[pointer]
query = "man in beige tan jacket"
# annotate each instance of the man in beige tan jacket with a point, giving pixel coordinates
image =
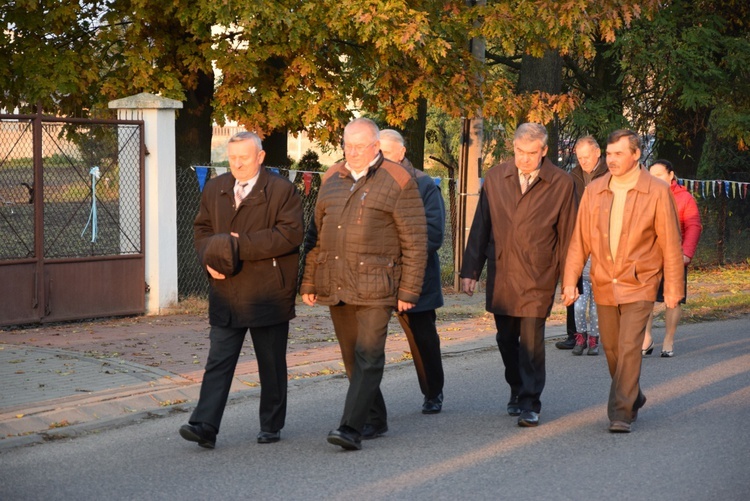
(627, 222)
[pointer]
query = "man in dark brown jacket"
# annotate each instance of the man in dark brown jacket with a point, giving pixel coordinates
(522, 227)
(247, 234)
(369, 258)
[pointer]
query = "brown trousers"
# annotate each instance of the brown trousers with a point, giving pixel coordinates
(621, 330)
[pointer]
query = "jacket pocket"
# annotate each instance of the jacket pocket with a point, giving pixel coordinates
(322, 275)
(375, 277)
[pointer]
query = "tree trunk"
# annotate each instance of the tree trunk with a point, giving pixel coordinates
(545, 75)
(194, 126)
(275, 146)
(414, 135)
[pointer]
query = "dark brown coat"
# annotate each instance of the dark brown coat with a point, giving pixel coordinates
(270, 228)
(523, 238)
(371, 247)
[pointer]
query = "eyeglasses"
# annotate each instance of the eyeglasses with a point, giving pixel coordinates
(358, 149)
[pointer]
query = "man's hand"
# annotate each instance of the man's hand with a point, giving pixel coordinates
(215, 274)
(403, 306)
(310, 299)
(671, 301)
(569, 295)
(468, 285)
(686, 260)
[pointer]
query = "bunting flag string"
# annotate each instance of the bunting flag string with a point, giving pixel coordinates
(709, 188)
(697, 187)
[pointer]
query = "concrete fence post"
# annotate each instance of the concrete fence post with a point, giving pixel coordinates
(158, 115)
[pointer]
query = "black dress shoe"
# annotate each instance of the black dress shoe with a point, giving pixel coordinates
(432, 405)
(567, 344)
(204, 436)
(269, 437)
(346, 437)
(370, 431)
(528, 419)
(513, 408)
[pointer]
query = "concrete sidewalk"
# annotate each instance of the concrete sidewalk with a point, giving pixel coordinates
(62, 381)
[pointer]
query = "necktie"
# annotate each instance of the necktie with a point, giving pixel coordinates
(525, 182)
(239, 194)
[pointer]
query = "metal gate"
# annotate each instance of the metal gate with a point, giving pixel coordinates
(71, 218)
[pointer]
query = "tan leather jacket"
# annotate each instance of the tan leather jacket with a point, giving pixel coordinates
(649, 243)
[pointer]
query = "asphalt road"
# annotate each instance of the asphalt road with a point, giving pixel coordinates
(691, 441)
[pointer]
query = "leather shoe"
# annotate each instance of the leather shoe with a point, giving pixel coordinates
(528, 419)
(431, 405)
(369, 431)
(345, 437)
(269, 437)
(619, 427)
(636, 406)
(566, 344)
(513, 407)
(199, 433)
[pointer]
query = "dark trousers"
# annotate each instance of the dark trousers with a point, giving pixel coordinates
(570, 313)
(361, 331)
(621, 330)
(270, 352)
(521, 343)
(424, 343)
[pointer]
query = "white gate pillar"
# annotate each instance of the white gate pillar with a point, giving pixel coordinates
(158, 115)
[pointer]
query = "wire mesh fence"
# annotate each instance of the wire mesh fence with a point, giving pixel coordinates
(725, 239)
(90, 189)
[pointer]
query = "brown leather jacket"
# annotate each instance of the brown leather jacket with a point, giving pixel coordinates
(371, 247)
(649, 244)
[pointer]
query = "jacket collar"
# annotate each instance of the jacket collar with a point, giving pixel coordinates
(228, 181)
(547, 170)
(643, 184)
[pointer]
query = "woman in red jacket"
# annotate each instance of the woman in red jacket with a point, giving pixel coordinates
(690, 228)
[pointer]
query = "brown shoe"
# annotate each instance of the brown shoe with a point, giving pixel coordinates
(619, 427)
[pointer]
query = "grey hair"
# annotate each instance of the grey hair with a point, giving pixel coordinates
(392, 135)
(531, 131)
(365, 121)
(587, 140)
(247, 136)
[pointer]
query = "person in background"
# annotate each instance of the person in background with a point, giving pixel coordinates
(522, 226)
(690, 228)
(590, 166)
(419, 322)
(627, 223)
(247, 234)
(368, 257)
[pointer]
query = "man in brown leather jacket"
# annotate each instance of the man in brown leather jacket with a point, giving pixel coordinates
(369, 258)
(627, 222)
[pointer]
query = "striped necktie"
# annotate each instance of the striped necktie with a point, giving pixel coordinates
(239, 194)
(525, 182)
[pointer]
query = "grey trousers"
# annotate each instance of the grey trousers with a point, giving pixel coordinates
(361, 332)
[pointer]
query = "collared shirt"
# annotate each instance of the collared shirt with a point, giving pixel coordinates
(532, 175)
(363, 172)
(248, 184)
